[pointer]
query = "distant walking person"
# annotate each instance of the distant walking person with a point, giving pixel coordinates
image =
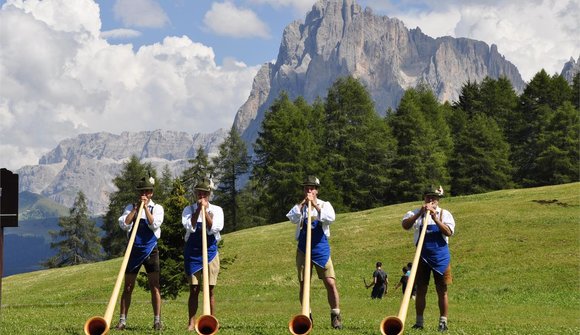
(408, 274)
(435, 255)
(192, 222)
(380, 282)
(404, 279)
(144, 251)
(322, 216)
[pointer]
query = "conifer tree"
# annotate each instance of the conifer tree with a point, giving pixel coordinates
(540, 100)
(423, 145)
(200, 168)
(481, 158)
(358, 146)
(171, 244)
(231, 163)
(115, 239)
(286, 151)
(78, 240)
(558, 161)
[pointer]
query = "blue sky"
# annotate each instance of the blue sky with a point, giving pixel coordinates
(84, 66)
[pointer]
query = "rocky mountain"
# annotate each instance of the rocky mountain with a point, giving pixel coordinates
(89, 162)
(571, 68)
(339, 38)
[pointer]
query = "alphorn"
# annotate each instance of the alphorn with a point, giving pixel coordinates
(394, 325)
(100, 325)
(206, 324)
(301, 324)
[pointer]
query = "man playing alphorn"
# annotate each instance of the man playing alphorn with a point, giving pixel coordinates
(192, 220)
(435, 256)
(144, 251)
(322, 216)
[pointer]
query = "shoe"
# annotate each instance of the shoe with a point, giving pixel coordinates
(417, 326)
(335, 321)
(120, 326)
(442, 327)
(157, 326)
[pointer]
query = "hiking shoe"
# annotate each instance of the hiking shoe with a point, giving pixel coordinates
(335, 321)
(417, 326)
(120, 326)
(157, 326)
(442, 327)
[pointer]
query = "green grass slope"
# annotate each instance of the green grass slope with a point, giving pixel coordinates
(515, 259)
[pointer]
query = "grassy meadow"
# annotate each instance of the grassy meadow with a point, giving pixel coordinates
(515, 261)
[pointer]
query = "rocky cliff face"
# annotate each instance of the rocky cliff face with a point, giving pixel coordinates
(90, 162)
(339, 38)
(571, 68)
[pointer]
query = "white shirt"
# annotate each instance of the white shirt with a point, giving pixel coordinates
(326, 217)
(446, 219)
(217, 223)
(157, 212)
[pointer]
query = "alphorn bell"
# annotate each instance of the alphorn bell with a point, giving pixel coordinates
(100, 325)
(301, 324)
(394, 325)
(206, 324)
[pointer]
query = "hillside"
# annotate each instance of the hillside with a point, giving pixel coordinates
(515, 264)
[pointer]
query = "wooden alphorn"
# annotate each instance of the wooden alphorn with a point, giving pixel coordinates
(394, 325)
(301, 324)
(100, 325)
(206, 324)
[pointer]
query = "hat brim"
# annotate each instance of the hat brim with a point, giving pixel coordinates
(433, 195)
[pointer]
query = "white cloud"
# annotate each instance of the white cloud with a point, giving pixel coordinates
(64, 82)
(120, 34)
(300, 6)
(228, 20)
(140, 13)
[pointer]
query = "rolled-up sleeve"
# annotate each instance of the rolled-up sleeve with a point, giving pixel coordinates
(217, 220)
(126, 211)
(294, 214)
(186, 219)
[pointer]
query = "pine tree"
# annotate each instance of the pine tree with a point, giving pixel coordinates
(232, 162)
(423, 144)
(481, 159)
(286, 151)
(540, 100)
(558, 161)
(200, 168)
(77, 240)
(171, 244)
(115, 239)
(358, 146)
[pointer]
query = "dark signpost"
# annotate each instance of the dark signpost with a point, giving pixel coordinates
(8, 211)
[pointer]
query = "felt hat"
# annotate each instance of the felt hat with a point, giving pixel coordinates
(145, 184)
(311, 181)
(434, 191)
(203, 185)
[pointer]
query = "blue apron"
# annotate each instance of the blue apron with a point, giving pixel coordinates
(435, 249)
(145, 242)
(320, 246)
(192, 254)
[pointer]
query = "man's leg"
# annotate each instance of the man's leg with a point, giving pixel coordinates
(155, 298)
(331, 292)
(126, 299)
(211, 300)
(192, 305)
(333, 302)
